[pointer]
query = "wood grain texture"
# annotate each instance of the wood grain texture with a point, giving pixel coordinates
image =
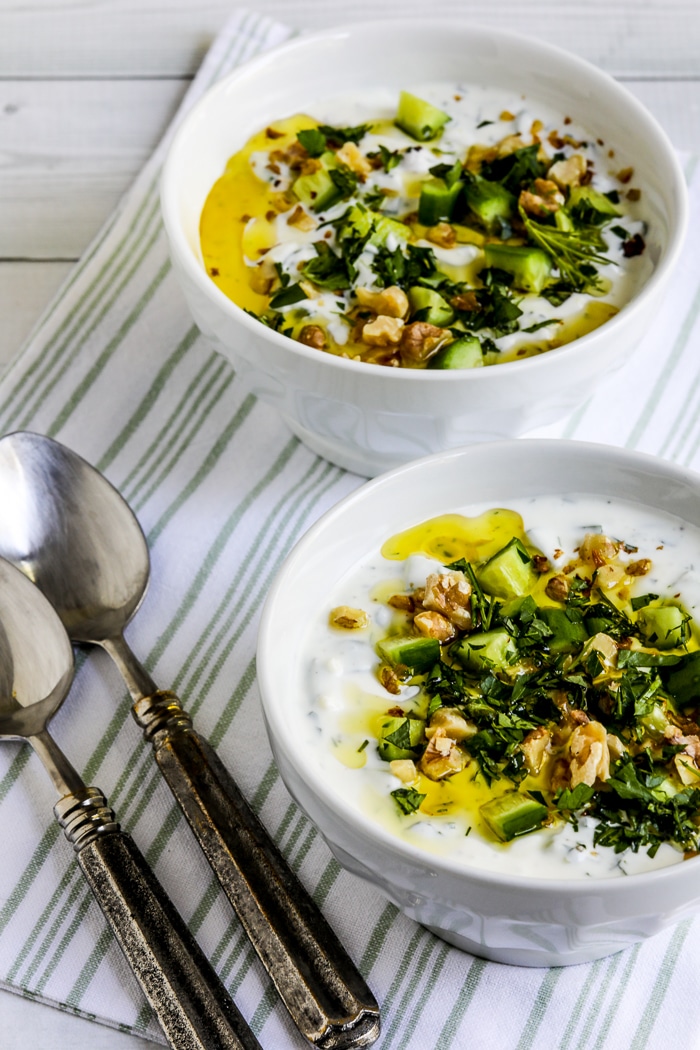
(170, 37)
(70, 149)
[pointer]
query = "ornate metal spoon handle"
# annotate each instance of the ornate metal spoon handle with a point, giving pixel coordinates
(193, 1007)
(319, 984)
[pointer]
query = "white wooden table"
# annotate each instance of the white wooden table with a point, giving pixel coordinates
(88, 87)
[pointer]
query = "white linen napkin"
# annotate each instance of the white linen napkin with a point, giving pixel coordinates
(117, 371)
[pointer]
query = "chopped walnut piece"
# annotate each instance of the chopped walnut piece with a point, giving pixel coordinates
(569, 172)
(442, 757)
(391, 681)
(465, 301)
(404, 769)
(443, 235)
(294, 155)
(313, 335)
(262, 276)
(590, 755)
(687, 769)
(281, 202)
(536, 746)
(419, 340)
(608, 576)
(545, 200)
(351, 155)
(449, 593)
(301, 220)
(638, 568)
(383, 331)
(402, 601)
(688, 760)
(616, 747)
(434, 625)
(273, 133)
(389, 302)
(478, 155)
(453, 722)
(509, 144)
(598, 549)
(540, 563)
(347, 618)
(557, 588)
(604, 645)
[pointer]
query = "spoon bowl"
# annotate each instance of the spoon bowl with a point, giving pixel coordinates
(73, 535)
(36, 659)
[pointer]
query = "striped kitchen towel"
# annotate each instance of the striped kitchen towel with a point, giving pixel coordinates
(117, 371)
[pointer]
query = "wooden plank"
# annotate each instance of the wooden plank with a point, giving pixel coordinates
(169, 37)
(70, 150)
(26, 289)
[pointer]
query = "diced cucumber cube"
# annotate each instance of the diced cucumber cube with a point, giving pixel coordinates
(590, 206)
(384, 226)
(487, 649)
(491, 203)
(415, 652)
(418, 118)
(399, 738)
(437, 201)
(663, 626)
(317, 191)
(431, 306)
(509, 573)
(465, 352)
(513, 814)
(531, 267)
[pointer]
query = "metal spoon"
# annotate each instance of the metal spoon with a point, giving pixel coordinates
(72, 533)
(36, 670)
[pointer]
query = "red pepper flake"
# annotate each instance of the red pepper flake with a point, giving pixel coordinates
(270, 215)
(625, 175)
(634, 195)
(567, 120)
(272, 133)
(634, 246)
(246, 218)
(213, 271)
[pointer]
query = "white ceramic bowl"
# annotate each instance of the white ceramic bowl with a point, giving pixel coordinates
(508, 918)
(365, 417)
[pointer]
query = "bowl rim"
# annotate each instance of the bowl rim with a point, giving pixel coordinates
(648, 124)
(362, 824)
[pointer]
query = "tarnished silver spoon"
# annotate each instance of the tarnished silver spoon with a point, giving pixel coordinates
(71, 532)
(36, 670)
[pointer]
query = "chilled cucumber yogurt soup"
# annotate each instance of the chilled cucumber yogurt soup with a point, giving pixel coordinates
(455, 226)
(533, 708)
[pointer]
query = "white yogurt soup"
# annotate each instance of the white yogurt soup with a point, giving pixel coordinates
(531, 710)
(456, 226)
